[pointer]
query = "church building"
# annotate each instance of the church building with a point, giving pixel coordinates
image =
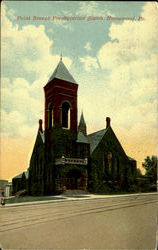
(66, 157)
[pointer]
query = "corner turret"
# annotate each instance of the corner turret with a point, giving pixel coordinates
(82, 125)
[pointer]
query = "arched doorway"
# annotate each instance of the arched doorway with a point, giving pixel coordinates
(75, 179)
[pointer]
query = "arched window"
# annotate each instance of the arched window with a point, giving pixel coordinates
(66, 115)
(50, 115)
(118, 168)
(110, 161)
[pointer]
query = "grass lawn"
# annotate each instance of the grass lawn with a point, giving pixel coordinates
(32, 198)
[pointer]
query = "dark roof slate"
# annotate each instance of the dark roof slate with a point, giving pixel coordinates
(95, 138)
(61, 72)
(26, 173)
(131, 159)
(18, 176)
(42, 136)
(82, 138)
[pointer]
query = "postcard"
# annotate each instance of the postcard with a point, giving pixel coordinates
(78, 124)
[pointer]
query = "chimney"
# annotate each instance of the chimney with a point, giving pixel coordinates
(40, 126)
(107, 122)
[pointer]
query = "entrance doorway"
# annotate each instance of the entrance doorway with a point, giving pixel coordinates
(74, 179)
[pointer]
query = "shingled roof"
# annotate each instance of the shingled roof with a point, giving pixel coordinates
(18, 176)
(82, 138)
(61, 72)
(26, 173)
(95, 138)
(42, 136)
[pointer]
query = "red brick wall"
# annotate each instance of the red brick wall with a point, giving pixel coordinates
(56, 92)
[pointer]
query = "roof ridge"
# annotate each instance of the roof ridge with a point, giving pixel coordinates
(97, 131)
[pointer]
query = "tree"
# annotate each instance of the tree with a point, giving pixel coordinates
(150, 165)
(138, 173)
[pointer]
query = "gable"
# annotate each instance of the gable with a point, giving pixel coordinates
(105, 137)
(40, 139)
(95, 138)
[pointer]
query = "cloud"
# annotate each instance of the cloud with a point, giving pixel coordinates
(129, 93)
(88, 46)
(23, 51)
(92, 8)
(131, 58)
(89, 62)
(89, 8)
(30, 54)
(136, 41)
(19, 109)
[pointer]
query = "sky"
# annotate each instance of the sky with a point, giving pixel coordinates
(114, 61)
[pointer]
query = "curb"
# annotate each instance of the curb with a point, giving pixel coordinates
(67, 199)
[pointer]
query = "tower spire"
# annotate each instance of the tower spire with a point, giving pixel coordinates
(82, 125)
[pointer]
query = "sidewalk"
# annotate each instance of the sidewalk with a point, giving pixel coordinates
(67, 199)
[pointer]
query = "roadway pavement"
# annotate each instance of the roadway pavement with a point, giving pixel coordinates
(93, 222)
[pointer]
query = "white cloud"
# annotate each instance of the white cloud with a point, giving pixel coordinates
(20, 109)
(89, 62)
(88, 46)
(30, 45)
(137, 41)
(24, 51)
(27, 50)
(11, 122)
(87, 8)
(92, 8)
(132, 62)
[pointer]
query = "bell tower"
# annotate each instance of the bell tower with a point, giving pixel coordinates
(61, 99)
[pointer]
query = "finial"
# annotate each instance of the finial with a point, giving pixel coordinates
(40, 126)
(108, 122)
(61, 57)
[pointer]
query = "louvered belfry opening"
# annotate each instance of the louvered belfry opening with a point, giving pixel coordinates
(66, 115)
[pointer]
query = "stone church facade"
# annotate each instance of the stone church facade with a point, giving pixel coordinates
(64, 156)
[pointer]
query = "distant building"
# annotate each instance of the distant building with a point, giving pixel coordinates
(64, 156)
(5, 188)
(20, 182)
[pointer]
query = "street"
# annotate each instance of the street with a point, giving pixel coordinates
(123, 222)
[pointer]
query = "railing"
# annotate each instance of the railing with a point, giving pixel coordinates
(76, 161)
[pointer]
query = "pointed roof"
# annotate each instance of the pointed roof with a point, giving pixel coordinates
(26, 173)
(82, 138)
(95, 138)
(61, 72)
(18, 176)
(82, 120)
